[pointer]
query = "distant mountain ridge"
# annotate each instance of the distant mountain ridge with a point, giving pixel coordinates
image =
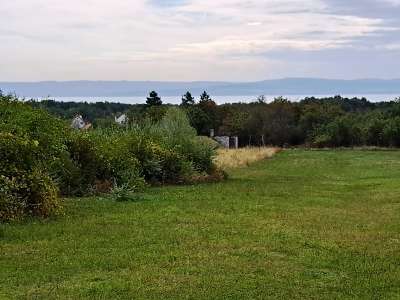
(286, 86)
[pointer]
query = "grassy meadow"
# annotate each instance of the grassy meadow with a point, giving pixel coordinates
(301, 225)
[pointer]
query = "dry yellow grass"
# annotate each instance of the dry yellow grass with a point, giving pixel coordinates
(234, 158)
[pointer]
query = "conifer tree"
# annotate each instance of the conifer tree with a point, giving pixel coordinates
(187, 99)
(153, 99)
(204, 97)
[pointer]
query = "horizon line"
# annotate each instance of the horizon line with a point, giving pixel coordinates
(202, 81)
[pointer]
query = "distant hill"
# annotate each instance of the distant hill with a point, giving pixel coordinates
(287, 86)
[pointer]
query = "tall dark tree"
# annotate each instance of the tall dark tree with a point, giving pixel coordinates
(199, 119)
(187, 99)
(281, 127)
(206, 103)
(153, 99)
(210, 109)
(204, 97)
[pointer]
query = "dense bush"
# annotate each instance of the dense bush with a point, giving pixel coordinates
(168, 151)
(42, 157)
(118, 164)
(25, 188)
(22, 120)
(175, 133)
(78, 168)
(163, 152)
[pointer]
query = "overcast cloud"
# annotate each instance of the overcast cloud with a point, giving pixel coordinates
(198, 39)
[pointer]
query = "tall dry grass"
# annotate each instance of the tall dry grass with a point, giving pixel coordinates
(234, 158)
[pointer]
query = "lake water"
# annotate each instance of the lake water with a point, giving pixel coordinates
(218, 99)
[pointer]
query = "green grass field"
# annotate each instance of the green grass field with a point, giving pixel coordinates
(302, 225)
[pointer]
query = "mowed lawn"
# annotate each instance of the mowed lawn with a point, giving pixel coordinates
(302, 225)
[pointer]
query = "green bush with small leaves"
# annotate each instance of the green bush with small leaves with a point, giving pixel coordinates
(42, 158)
(25, 187)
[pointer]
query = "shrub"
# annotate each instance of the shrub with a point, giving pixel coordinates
(20, 119)
(77, 169)
(96, 162)
(118, 163)
(175, 132)
(140, 155)
(40, 156)
(170, 151)
(174, 168)
(25, 189)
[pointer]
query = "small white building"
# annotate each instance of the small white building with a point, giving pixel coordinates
(79, 123)
(121, 120)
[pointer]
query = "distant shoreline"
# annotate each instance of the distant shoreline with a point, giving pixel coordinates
(289, 87)
(219, 99)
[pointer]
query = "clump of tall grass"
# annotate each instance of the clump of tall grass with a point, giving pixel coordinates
(235, 158)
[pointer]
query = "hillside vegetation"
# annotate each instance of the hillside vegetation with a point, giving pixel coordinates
(41, 158)
(325, 122)
(301, 225)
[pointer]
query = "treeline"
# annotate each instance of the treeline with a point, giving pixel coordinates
(315, 122)
(327, 122)
(90, 111)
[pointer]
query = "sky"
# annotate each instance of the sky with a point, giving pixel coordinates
(190, 40)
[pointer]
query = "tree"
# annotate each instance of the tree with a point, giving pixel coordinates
(153, 99)
(233, 121)
(210, 110)
(280, 127)
(187, 99)
(261, 99)
(314, 115)
(198, 119)
(204, 97)
(206, 103)
(391, 132)
(258, 119)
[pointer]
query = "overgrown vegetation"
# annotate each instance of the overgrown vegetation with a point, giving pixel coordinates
(42, 157)
(327, 122)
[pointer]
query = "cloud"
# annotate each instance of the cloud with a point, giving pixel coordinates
(393, 2)
(389, 47)
(121, 39)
